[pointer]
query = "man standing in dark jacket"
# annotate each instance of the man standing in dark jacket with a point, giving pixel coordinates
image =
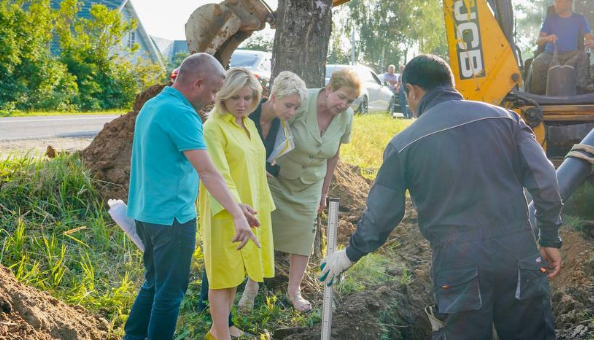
(465, 165)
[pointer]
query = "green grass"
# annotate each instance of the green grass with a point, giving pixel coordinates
(62, 113)
(580, 203)
(369, 137)
(58, 237)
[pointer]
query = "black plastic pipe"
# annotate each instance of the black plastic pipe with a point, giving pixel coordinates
(571, 174)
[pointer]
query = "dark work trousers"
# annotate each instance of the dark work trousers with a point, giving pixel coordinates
(167, 256)
(537, 77)
(405, 110)
(496, 278)
(204, 297)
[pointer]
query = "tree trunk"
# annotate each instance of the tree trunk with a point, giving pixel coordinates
(301, 40)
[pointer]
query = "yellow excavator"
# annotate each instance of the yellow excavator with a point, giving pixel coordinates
(488, 68)
(487, 65)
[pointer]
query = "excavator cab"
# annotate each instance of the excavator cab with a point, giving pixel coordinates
(492, 72)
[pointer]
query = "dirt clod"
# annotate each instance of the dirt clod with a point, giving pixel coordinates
(28, 314)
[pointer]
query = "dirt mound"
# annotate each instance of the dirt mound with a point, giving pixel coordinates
(391, 311)
(573, 289)
(28, 314)
(351, 189)
(395, 310)
(108, 156)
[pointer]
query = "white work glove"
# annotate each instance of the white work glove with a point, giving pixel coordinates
(332, 266)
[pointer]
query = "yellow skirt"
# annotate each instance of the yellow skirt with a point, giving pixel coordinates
(226, 267)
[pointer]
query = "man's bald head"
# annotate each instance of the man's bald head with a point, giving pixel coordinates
(200, 77)
(199, 65)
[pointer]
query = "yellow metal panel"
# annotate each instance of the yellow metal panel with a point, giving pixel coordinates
(482, 61)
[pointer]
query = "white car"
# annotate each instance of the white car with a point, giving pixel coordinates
(256, 61)
(375, 95)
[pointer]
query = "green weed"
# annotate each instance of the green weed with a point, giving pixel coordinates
(58, 237)
(369, 137)
(580, 203)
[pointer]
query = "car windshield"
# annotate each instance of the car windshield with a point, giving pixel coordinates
(243, 59)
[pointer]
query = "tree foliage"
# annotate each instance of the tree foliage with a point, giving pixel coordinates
(90, 72)
(29, 76)
(386, 30)
(259, 41)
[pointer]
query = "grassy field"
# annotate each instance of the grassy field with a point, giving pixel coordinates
(57, 236)
(369, 137)
(63, 113)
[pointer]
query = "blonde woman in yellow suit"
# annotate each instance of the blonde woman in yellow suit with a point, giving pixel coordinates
(320, 126)
(238, 153)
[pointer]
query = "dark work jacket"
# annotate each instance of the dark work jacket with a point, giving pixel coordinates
(465, 165)
(270, 138)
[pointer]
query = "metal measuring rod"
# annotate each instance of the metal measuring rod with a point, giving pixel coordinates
(333, 204)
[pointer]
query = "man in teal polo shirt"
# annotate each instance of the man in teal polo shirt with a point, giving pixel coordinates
(168, 154)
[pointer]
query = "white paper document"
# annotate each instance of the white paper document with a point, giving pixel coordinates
(118, 211)
(283, 142)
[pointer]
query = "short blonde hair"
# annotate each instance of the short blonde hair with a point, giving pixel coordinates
(237, 78)
(287, 84)
(346, 77)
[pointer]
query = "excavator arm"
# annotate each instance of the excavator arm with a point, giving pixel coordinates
(218, 29)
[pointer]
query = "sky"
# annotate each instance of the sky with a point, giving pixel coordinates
(167, 19)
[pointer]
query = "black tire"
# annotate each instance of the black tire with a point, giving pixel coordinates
(363, 108)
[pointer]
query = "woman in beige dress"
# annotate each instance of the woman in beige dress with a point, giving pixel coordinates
(320, 126)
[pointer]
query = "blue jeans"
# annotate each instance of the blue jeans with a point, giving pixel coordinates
(405, 110)
(167, 256)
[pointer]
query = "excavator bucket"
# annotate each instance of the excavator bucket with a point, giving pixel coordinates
(218, 29)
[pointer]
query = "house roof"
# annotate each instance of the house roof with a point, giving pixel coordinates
(179, 46)
(170, 48)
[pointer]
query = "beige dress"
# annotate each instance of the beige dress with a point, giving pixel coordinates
(298, 188)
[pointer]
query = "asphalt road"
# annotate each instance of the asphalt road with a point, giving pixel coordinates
(16, 128)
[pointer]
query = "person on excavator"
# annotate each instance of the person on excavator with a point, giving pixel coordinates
(564, 31)
(465, 165)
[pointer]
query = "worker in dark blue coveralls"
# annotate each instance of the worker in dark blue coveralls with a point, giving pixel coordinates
(465, 165)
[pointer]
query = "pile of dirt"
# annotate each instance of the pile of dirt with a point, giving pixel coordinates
(29, 314)
(573, 288)
(393, 310)
(351, 189)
